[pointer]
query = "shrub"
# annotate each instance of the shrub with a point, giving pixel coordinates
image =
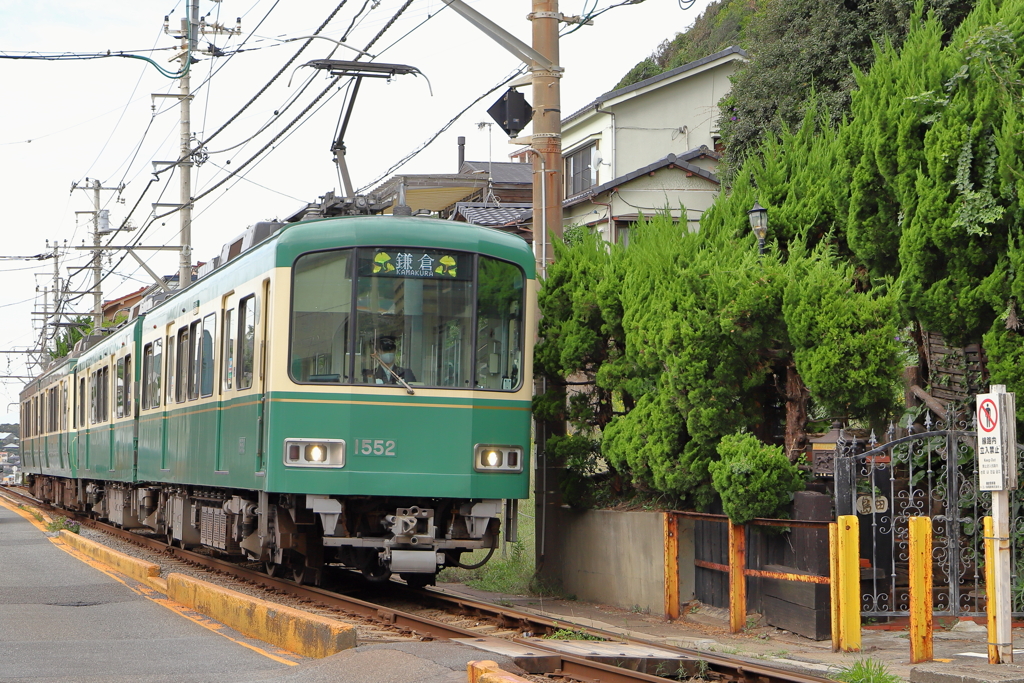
(753, 479)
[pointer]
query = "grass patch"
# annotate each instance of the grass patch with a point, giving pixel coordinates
(60, 523)
(866, 671)
(510, 569)
(572, 634)
(32, 511)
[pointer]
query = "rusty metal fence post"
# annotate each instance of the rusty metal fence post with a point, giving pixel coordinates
(833, 585)
(737, 577)
(671, 566)
(921, 604)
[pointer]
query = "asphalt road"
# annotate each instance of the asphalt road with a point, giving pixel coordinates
(64, 620)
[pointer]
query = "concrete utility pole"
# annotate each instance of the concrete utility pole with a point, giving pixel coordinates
(191, 27)
(547, 127)
(100, 227)
(546, 145)
(546, 141)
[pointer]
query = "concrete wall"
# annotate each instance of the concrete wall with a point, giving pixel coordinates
(618, 558)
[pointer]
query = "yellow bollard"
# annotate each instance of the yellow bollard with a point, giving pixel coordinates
(849, 583)
(737, 577)
(920, 589)
(990, 584)
(833, 585)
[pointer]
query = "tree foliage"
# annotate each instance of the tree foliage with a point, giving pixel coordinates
(754, 479)
(904, 210)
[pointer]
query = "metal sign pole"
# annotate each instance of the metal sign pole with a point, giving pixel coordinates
(997, 472)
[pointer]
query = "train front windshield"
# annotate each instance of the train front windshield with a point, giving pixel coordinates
(422, 317)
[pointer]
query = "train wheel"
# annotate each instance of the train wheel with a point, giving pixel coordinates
(272, 568)
(376, 572)
(299, 574)
(419, 580)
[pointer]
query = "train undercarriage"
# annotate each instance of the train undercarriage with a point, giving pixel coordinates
(296, 534)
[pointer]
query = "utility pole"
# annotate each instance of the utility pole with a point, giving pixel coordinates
(546, 145)
(547, 127)
(100, 227)
(191, 26)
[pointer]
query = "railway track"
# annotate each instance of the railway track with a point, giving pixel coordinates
(695, 663)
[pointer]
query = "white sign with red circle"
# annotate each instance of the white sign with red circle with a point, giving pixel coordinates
(991, 459)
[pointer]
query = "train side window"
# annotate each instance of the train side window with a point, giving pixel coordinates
(81, 402)
(246, 340)
(158, 359)
(321, 317)
(195, 333)
(120, 388)
(181, 374)
(147, 376)
(499, 325)
(105, 390)
(64, 406)
(128, 385)
(151, 375)
(206, 370)
(229, 348)
(170, 370)
(103, 394)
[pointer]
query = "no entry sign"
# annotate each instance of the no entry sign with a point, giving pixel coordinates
(997, 461)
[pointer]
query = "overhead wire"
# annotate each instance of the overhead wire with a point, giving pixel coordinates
(235, 172)
(411, 155)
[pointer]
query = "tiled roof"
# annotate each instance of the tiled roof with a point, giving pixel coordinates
(501, 171)
(681, 161)
(492, 215)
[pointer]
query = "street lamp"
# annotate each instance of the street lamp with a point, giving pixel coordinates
(759, 224)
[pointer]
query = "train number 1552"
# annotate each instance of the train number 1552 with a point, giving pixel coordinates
(383, 447)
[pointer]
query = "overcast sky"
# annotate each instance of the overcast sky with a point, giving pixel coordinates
(65, 122)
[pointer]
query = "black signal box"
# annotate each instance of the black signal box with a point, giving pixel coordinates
(512, 112)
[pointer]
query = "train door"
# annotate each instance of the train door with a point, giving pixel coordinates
(263, 311)
(62, 437)
(73, 422)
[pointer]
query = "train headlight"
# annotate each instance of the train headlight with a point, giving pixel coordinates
(314, 453)
(494, 458)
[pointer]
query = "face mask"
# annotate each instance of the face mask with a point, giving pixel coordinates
(388, 358)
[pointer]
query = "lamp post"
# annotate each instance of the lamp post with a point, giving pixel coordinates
(759, 224)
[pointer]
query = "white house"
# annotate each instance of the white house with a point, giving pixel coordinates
(648, 147)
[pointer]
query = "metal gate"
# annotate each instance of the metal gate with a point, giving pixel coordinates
(933, 473)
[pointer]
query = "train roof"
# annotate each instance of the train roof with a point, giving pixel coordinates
(334, 233)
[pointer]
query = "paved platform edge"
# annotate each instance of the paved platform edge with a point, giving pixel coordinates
(486, 671)
(140, 570)
(309, 635)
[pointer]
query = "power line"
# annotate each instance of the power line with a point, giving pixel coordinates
(411, 155)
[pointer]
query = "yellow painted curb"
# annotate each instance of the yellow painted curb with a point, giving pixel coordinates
(157, 584)
(305, 634)
(486, 671)
(140, 570)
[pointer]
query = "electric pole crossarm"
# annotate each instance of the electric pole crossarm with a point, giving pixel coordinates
(156, 278)
(508, 41)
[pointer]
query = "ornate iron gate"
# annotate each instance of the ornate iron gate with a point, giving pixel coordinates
(934, 474)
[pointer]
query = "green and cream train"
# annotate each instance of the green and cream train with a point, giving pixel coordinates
(351, 391)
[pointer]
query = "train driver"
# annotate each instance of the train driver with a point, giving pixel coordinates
(387, 372)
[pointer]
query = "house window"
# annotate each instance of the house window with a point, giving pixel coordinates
(580, 173)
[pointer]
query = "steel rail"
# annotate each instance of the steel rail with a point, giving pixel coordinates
(719, 667)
